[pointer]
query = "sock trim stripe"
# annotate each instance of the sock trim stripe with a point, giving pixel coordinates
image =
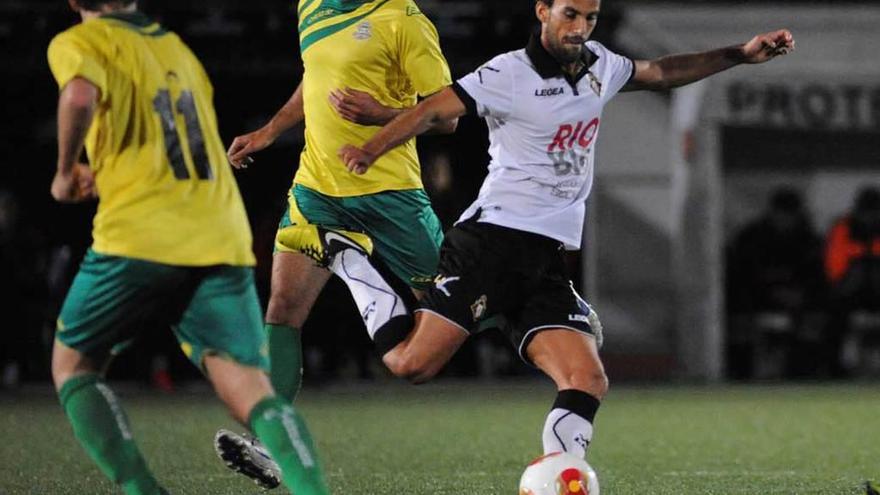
(578, 402)
(556, 434)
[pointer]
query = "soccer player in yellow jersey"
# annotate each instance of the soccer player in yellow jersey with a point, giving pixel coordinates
(172, 244)
(365, 62)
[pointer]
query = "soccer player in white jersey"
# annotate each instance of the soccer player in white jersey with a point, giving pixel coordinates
(543, 106)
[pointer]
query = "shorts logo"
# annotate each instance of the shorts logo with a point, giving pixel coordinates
(478, 308)
(441, 281)
(580, 318)
(364, 31)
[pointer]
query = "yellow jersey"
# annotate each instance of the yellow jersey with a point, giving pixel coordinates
(166, 191)
(387, 48)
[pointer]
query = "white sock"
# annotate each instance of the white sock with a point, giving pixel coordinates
(565, 431)
(376, 300)
(569, 426)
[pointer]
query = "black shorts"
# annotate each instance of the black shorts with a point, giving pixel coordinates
(487, 270)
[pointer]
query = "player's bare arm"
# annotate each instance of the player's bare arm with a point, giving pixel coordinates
(441, 107)
(677, 70)
(74, 182)
(361, 108)
(288, 116)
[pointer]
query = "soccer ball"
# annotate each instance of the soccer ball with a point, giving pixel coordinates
(559, 473)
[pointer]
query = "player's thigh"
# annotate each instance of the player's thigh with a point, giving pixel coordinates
(428, 348)
(111, 299)
(552, 332)
(405, 231)
(224, 319)
(296, 284)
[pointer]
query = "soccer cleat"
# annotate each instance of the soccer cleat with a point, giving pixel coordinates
(246, 455)
(321, 244)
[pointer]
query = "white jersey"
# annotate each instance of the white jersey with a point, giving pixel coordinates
(542, 136)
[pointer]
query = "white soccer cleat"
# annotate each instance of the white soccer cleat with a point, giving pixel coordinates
(246, 455)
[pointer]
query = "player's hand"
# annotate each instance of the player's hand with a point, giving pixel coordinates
(75, 186)
(356, 160)
(243, 146)
(360, 107)
(768, 46)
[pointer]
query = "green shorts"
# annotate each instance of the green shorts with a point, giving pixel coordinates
(405, 231)
(212, 310)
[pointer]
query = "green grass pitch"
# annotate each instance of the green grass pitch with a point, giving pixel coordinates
(475, 439)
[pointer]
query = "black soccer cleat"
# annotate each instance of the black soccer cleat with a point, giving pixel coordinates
(246, 455)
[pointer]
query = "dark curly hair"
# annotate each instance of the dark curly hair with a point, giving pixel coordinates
(96, 4)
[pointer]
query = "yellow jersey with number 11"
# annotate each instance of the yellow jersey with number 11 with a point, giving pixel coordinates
(387, 48)
(166, 191)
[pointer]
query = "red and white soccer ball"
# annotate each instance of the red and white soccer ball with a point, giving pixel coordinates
(559, 474)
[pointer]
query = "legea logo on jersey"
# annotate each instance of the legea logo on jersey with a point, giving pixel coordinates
(364, 31)
(550, 92)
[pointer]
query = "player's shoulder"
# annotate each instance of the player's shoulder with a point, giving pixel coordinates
(404, 12)
(507, 60)
(596, 47)
(83, 34)
(404, 8)
(89, 39)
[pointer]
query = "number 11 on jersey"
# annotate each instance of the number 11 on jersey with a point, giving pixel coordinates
(187, 108)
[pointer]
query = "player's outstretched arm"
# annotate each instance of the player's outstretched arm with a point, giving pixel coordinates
(288, 116)
(361, 108)
(440, 107)
(677, 70)
(73, 181)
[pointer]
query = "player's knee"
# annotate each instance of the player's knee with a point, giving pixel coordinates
(68, 363)
(594, 381)
(409, 367)
(287, 309)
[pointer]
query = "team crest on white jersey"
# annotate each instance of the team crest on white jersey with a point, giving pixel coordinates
(478, 308)
(595, 84)
(364, 31)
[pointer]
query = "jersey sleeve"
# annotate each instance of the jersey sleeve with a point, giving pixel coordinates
(70, 56)
(619, 69)
(420, 56)
(488, 91)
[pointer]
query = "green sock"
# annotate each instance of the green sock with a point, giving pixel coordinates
(102, 429)
(285, 358)
(287, 438)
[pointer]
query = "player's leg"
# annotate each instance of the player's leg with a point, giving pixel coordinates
(248, 393)
(559, 333)
(571, 360)
(221, 332)
(299, 272)
(427, 348)
(296, 284)
(102, 305)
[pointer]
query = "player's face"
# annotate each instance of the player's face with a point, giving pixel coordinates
(566, 26)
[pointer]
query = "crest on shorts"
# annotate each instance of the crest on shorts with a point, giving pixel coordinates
(478, 308)
(364, 31)
(595, 84)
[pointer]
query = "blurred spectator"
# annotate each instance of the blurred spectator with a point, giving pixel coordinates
(852, 265)
(774, 277)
